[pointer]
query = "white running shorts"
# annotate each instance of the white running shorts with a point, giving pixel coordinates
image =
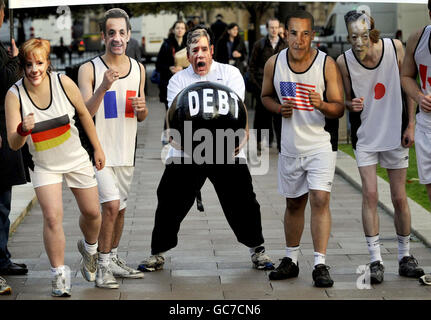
(82, 178)
(423, 155)
(296, 176)
(392, 159)
(114, 184)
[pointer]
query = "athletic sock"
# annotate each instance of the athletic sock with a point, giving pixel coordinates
(373, 244)
(91, 248)
(319, 258)
(403, 246)
(292, 253)
(253, 250)
(57, 270)
(104, 258)
(114, 252)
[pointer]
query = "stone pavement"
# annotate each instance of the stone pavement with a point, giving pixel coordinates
(208, 262)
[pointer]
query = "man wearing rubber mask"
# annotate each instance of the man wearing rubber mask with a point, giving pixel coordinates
(232, 182)
(380, 134)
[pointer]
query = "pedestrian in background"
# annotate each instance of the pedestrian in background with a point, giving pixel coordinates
(165, 63)
(231, 49)
(218, 27)
(41, 110)
(262, 51)
(12, 168)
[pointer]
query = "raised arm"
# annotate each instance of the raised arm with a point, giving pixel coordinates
(86, 82)
(75, 97)
(13, 119)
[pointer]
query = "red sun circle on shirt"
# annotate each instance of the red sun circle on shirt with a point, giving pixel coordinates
(379, 91)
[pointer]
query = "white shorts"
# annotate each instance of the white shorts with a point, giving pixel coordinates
(81, 178)
(114, 184)
(423, 155)
(392, 159)
(297, 176)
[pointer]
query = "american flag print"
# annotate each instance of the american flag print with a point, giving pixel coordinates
(297, 92)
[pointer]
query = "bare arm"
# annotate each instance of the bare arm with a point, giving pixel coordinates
(269, 95)
(139, 103)
(75, 97)
(13, 119)
(352, 104)
(334, 107)
(408, 136)
(86, 81)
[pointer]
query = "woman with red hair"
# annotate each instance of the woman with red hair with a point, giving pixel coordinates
(42, 110)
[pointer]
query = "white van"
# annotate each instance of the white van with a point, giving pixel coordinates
(394, 20)
(154, 27)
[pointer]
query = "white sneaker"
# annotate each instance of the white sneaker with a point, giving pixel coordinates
(105, 278)
(120, 269)
(88, 262)
(61, 286)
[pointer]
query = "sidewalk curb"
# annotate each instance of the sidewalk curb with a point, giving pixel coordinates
(23, 199)
(421, 218)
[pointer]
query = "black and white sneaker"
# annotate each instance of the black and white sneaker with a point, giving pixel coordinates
(377, 270)
(287, 269)
(321, 276)
(261, 260)
(408, 267)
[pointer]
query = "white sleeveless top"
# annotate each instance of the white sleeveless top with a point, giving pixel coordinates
(115, 120)
(303, 134)
(422, 57)
(54, 142)
(380, 119)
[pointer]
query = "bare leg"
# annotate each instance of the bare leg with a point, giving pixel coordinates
(51, 201)
(402, 216)
(294, 219)
(370, 219)
(109, 216)
(320, 219)
(90, 218)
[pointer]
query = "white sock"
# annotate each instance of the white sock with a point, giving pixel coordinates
(59, 269)
(91, 248)
(403, 246)
(292, 253)
(104, 258)
(114, 252)
(319, 258)
(253, 250)
(374, 248)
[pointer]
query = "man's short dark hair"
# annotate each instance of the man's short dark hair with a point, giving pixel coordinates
(300, 14)
(115, 13)
(271, 19)
(429, 5)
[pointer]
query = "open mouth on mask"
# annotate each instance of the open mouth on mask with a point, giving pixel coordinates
(201, 64)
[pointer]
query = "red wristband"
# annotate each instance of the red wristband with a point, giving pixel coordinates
(21, 132)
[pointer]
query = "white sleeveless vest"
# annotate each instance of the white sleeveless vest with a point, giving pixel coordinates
(54, 142)
(303, 134)
(380, 119)
(422, 57)
(115, 120)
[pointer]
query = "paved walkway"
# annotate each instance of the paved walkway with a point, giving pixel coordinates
(208, 262)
